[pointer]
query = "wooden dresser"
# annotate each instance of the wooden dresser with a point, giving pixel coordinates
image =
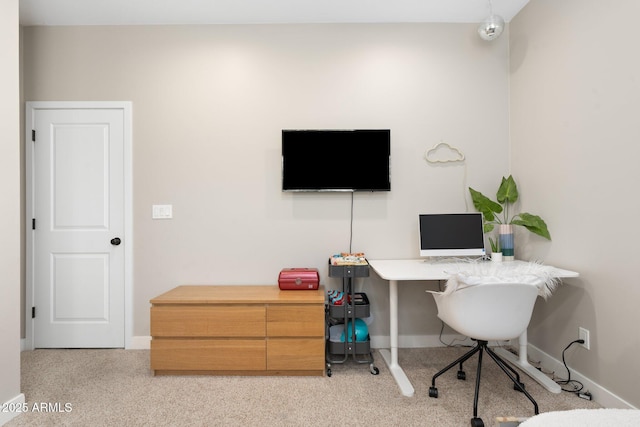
(238, 330)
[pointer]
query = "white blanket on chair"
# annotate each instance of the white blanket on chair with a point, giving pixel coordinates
(478, 273)
(586, 418)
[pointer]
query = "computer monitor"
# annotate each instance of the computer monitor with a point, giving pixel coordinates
(451, 235)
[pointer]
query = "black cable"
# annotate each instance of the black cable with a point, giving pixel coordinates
(351, 225)
(577, 385)
(451, 344)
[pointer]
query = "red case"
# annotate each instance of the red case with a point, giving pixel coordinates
(299, 279)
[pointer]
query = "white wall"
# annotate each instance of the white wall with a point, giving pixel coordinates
(209, 103)
(575, 104)
(10, 196)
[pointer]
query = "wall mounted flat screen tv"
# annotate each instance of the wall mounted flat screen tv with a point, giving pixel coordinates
(336, 160)
(451, 235)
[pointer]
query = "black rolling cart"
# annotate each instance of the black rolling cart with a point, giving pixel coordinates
(354, 306)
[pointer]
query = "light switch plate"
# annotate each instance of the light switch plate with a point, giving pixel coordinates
(162, 212)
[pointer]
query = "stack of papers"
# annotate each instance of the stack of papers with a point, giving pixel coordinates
(345, 258)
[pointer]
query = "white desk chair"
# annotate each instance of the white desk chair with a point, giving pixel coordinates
(486, 312)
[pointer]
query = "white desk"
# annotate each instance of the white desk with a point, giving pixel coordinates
(396, 271)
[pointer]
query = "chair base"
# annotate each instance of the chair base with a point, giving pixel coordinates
(481, 347)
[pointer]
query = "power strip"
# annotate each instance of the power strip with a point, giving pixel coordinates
(585, 395)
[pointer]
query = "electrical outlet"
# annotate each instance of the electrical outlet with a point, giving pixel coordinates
(162, 212)
(583, 334)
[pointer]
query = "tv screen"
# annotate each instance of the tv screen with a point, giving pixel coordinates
(336, 160)
(458, 234)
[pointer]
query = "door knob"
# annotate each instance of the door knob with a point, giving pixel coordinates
(116, 241)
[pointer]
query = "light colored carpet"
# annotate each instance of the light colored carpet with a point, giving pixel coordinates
(116, 388)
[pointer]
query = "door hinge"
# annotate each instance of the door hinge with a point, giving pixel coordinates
(33, 135)
(33, 223)
(33, 312)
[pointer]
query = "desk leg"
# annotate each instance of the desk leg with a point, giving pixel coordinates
(523, 363)
(391, 356)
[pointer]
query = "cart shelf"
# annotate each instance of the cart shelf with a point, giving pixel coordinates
(354, 306)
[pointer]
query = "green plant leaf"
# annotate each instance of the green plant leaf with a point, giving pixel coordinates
(507, 194)
(508, 191)
(533, 223)
(485, 205)
(495, 247)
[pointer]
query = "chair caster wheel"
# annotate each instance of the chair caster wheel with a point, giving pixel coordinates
(329, 372)
(374, 370)
(515, 387)
(433, 392)
(462, 375)
(477, 422)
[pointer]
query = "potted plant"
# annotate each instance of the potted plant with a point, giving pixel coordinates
(496, 252)
(497, 213)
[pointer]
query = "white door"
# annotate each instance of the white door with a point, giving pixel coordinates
(78, 270)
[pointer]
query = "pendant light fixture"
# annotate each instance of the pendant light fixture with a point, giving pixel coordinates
(492, 27)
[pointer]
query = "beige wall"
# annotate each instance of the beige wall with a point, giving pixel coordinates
(10, 196)
(575, 106)
(209, 103)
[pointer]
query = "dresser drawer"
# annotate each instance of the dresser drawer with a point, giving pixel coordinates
(292, 354)
(295, 320)
(237, 330)
(208, 355)
(208, 321)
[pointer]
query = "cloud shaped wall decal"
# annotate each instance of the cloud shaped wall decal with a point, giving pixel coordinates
(443, 153)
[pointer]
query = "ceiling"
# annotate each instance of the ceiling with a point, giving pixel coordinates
(174, 12)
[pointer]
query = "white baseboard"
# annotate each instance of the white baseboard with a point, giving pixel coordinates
(600, 394)
(420, 341)
(16, 402)
(140, 343)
